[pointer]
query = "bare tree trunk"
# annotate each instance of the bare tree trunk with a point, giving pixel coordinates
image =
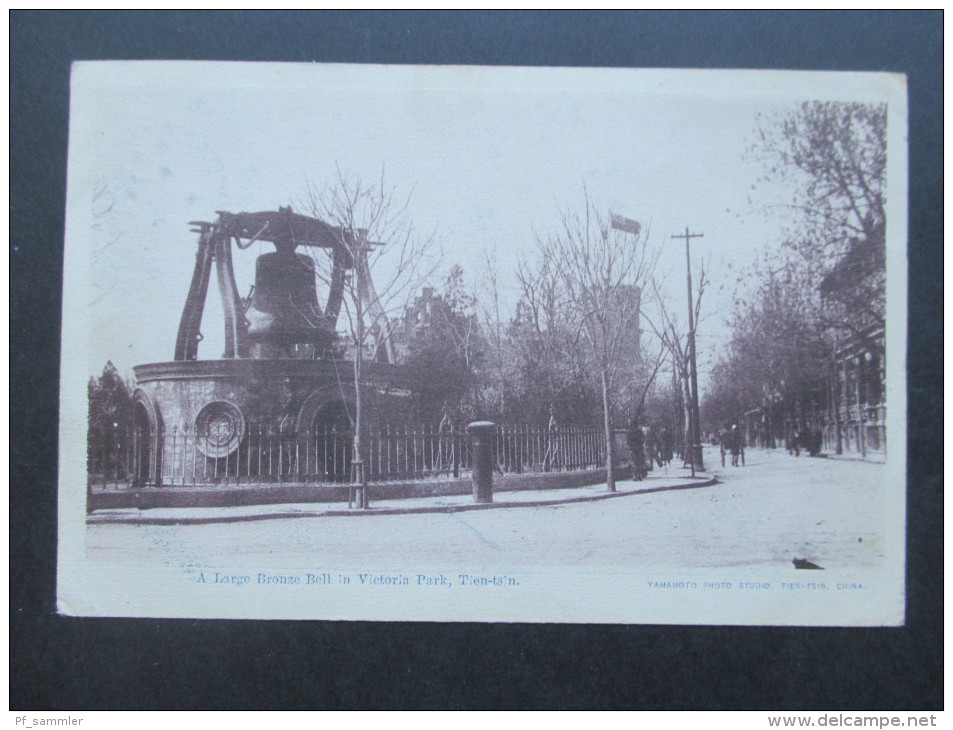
(357, 463)
(838, 411)
(610, 445)
(835, 399)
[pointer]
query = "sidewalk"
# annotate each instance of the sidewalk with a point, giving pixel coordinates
(873, 457)
(413, 505)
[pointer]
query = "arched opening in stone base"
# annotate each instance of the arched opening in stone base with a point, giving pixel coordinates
(331, 439)
(147, 442)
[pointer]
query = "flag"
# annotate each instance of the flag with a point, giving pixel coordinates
(621, 223)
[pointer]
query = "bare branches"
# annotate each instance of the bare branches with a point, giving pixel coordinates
(600, 274)
(389, 259)
(665, 325)
(829, 280)
(640, 405)
(832, 156)
(591, 276)
(386, 262)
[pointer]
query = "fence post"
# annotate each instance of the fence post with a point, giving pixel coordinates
(482, 437)
(455, 451)
(115, 446)
(175, 444)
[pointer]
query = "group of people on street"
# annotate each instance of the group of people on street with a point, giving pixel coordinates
(733, 442)
(810, 441)
(648, 446)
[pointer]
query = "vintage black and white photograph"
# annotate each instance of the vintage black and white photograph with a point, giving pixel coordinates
(454, 343)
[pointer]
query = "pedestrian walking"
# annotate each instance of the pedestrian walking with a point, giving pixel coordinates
(651, 448)
(666, 444)
(793, 439)
(636, 441)
(736, 444)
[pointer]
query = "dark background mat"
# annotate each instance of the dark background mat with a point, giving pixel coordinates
(69, 664)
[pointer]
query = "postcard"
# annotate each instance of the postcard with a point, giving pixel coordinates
(484, 344)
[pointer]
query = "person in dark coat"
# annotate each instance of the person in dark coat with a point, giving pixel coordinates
(651, 448)
(815, 441)
(636, 441)
(666, 445)
(736, 443)
(793, 439)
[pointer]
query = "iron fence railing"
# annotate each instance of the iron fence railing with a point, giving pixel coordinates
(853, 428)
(192, 457)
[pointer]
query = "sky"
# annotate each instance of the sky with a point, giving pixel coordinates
(490, 157)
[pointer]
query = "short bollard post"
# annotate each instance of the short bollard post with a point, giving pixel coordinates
(482, 436)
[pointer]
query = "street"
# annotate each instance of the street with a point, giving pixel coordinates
(774, 509)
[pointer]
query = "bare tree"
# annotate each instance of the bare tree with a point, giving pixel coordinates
(548, 343)
(387, 262)
(826, 285)
(776, 352)
(499, 367)
(675, 339)
(602, 272)
(831, 158)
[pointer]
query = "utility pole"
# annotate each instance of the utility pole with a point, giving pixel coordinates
(696, 429)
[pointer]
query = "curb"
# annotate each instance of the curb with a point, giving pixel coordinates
(330, 496)
(139, 519)
(860, 459)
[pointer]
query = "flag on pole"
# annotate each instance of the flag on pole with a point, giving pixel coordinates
(621, 223)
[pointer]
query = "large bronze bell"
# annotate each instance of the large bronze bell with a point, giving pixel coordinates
(284, 313)
(282, 318)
